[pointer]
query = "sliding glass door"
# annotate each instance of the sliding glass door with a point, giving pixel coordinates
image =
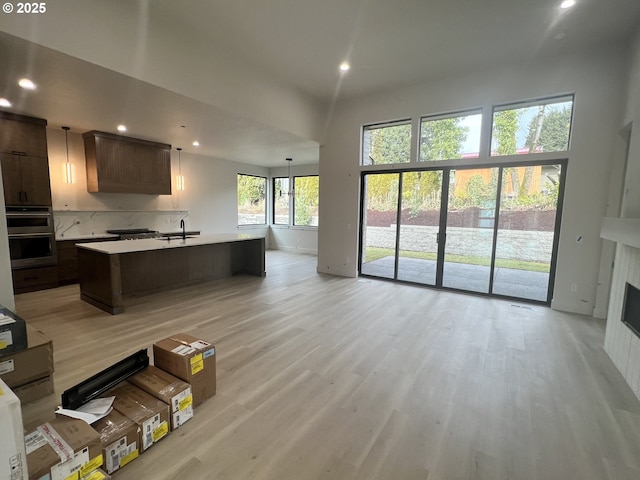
(524, 252)
(379, 234)
(486, 230)
(469, 229)
(419, 226)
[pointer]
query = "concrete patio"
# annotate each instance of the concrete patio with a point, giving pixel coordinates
(521, 284)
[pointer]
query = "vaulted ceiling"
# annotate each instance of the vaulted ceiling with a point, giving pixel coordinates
(253, 80)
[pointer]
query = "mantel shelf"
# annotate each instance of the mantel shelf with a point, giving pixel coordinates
(621, 230)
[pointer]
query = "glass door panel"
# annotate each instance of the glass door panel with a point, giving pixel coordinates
(469, 229)
(525, 237)
(419, 225)
(379, 224)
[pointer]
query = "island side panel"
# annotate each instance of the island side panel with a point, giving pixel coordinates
(208, 262)
(153, 270)
(248, 256)
(100, 280)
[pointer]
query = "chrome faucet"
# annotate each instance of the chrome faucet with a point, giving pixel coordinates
(184, 233)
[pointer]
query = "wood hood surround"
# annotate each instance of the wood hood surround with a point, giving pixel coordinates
(118, 164)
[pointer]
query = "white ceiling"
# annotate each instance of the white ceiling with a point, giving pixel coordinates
(300, 43)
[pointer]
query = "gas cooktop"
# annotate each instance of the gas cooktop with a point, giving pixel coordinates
(134, 233)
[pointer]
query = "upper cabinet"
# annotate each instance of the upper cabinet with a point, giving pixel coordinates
(25, 179)
(23, 135)
(117, 164)
(23, 156)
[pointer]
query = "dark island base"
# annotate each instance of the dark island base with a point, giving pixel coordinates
(107, 279)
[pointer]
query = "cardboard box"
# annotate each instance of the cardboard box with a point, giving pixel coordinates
(120, 438)
(13, 332)
(98, 474)
(64, 448)
(31, 364)
(150, 414)
(171, 390)
(34, 390)
(190, 359)
(13, 457)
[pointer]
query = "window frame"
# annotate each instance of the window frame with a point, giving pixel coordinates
(266, 186)
(273, 202)
(444, 116)
(555, 99)
(379, 125)
(292, 214)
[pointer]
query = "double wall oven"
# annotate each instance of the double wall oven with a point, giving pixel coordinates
(32, 241)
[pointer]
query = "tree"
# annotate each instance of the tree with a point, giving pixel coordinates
(554, 134)
(306, 199)
(251, 189)
(442, 139)
(505, 127)
(390, 144)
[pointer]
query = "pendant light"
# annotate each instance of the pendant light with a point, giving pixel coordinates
(69, 168)
(290, 191)
(180, 177)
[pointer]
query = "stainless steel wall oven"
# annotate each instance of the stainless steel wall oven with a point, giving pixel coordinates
(32, 239)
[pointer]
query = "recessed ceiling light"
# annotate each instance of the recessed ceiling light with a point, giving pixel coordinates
(567, 3)
(4, 102)
(196, 143)
(344, 67)
(122, 128)
(560, 36)
(27, 84)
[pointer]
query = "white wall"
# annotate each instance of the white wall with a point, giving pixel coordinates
(631, 197)
(209, 195)
(596, 77)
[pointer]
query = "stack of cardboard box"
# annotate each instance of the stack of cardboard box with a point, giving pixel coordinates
(26, 359)
(147, 407)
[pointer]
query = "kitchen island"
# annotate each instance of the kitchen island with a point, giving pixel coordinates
(113, 270)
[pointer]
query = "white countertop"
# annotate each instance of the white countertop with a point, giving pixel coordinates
(145, 244)
(79, 238)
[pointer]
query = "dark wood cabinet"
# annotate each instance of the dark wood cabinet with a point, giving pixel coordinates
(67, 261)
(25, 179)
(23, 135)
(23, 153)
(32, 279)
(117, 164)
(68, 258)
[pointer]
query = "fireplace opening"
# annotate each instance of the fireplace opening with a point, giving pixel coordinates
(631, 309)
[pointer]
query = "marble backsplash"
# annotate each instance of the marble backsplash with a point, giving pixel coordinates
(71, 224)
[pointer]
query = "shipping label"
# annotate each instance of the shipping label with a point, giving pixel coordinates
(6, 339)
(200, 344)
(197, 364)
(92, 465)
(184, 350)
(182, 416)
(148, 427)
(209, 353)
(7, 366)
(71, 468)
(119, 454)
(17, 467)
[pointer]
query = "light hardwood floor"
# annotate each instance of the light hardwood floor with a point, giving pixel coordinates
(323, 377)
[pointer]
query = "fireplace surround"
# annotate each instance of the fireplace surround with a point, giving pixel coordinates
(621, 343)
(631, 309)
